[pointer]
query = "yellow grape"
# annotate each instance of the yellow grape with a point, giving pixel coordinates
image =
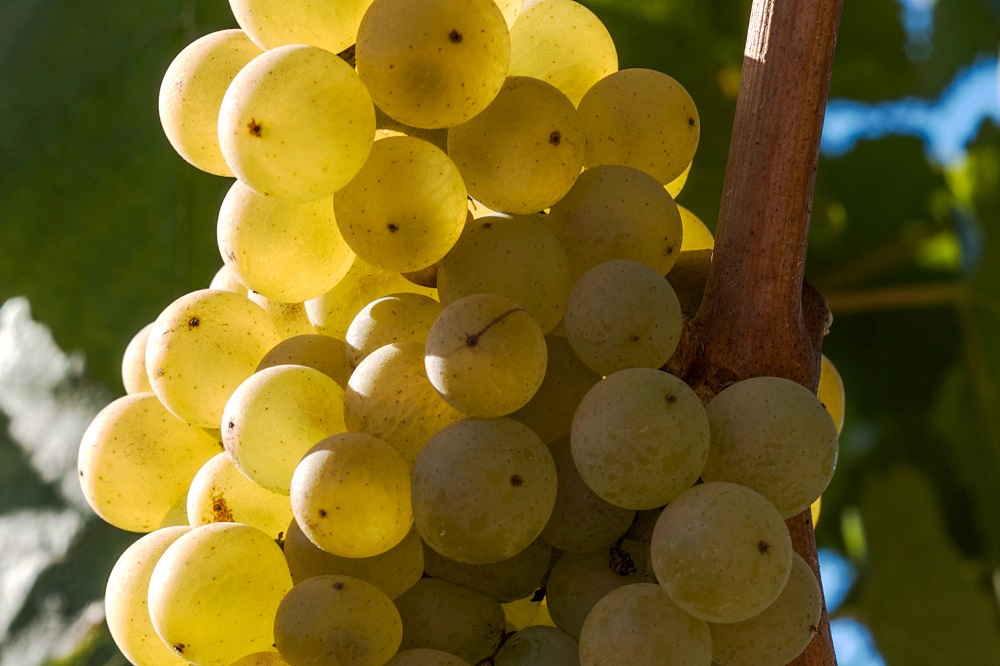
(268, 658)
(675, 186)
(831, 391)
(329, 24)
(192, 91)
(136, 460)
(290, 319)
(125, 607)
(134, 376)
(434, 63)
(224, 280)
(286, 251)
(426, 657)
(201, 347)
(296, 123)
(697, 236)
(320, 352)
(393, 318)
(405, 208)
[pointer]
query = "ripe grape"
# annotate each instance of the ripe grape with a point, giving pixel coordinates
(507, 580)
(696, 235)
(296, 123)
(268, 658)
(331, 25)
(321, 352)
(290, 319)
(393, 318)
(831, 391)
(539, 645)
(134, 377)
(426, 657)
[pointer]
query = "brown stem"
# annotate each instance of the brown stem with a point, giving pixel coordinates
(758, 317)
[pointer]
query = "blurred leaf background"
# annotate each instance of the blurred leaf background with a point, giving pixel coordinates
(101, 226)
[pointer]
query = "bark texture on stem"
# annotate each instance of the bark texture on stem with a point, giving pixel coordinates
(758, 315)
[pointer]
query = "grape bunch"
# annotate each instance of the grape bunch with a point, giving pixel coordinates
(419, 417)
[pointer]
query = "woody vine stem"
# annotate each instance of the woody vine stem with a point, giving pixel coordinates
(759, 316)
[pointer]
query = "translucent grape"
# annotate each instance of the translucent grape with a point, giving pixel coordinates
(581, 521)
(675, 186)
(640, 438)
(125, 607)
(483, 489)
(777, 635)
(389, 396)
(623, 314)
(337, 620)
(524, 151)
(202, 346)
(320, 352)
(442, 616)
(268, 658)
(639, 625)
(286, 251)
(405, 208)
(527, 264)
(426, 657)
(486, 355)
(775, 436)
(550, 411)
(290, 319)
(275, 416)
(134, 377)
(546, 43)
(539, 645)
(136, 460)
(435, 63)
(192, 91)
(214, 593)
(296, 123)
(351, 495)
(721, 551)
(224, 280)
(221, 493)
(617, 212)
(513, 578)
(640, 118)
(329, 25)
(831, 391)
(393, 318)
(697, 236)
(394, 571)
(333, 312)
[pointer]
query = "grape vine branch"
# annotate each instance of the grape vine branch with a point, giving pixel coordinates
(759, 316)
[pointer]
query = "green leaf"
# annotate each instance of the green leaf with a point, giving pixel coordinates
(921, 608)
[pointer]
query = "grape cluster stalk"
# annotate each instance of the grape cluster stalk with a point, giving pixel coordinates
(454, 396)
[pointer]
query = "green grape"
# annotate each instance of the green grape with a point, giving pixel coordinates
(623, 314)
(527, 264)
(337, 620)
(426, 657)
(581, 521)
(220, 493)
(405, 208)
(617, 212)
(524, 151)
(777, 635)
(269, 658)
(579, 580)
(534, 646)
(275, 416)
(773, 435)
(333, 312)
(485, 355)
(286, 251)
(640, 438)
(224, 280)
(386, 127)
(214, 593)
(329, 25)
(290, 319)
(696, 235)
(393, 318)
(394, 571)
(351, 495)
(136, 460)
(640, 118)
(192, 91)
(564, 43)
(442, 616)
(435, 63)
(507, 580)
(202, 346)
(390, 397)
(320, 352)
(831, 391)
(296, 123)
(125, 607)
(721, 551)
(639, 625)
(134, 377)
(550, 411)
(483, 489)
